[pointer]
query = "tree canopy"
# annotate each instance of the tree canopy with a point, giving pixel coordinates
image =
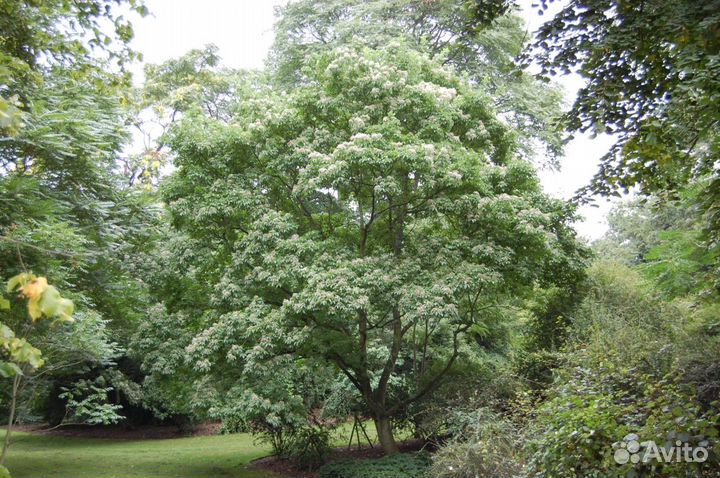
(376, 217)
(358, 231)
(651, 70)
(447, 30)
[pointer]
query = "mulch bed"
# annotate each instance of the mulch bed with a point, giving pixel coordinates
(122, 432)
(285, 468)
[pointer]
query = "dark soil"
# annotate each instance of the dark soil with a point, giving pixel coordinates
(122, 432)
(285, 468)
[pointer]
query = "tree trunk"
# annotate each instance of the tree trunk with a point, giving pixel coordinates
(385, 435)
(11, 419)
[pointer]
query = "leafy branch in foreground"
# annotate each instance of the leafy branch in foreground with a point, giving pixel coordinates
(20, 357)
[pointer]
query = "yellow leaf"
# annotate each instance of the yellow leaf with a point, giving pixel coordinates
(35, 289)
(65, 310)
(50, 301)
(34, 309)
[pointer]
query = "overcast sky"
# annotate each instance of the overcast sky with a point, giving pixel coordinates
(242, 30)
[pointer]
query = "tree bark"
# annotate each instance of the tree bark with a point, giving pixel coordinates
(385, 435)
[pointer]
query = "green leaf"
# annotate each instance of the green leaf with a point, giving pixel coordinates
(6, 332)
(19, 280)
(9, 369)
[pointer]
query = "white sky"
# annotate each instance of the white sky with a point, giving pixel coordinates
(242, 30)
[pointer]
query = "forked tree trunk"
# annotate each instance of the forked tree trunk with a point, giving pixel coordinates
(385, 435)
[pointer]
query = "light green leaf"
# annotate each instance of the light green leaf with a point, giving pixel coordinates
(9, 369)
(19, 280)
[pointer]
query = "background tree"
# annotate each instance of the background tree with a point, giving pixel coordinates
(193, 82)
(448, 30)
(63, 208)
(664, 240)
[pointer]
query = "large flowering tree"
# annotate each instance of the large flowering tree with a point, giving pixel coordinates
(373, 218)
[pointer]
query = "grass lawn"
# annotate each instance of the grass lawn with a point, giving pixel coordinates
(42, 456)
(205, 456)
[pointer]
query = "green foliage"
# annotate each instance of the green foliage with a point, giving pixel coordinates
(482, 444)
(64, 212)
(397, 466)
(375, 217)
(308, 448)
(623, 373)
(190, 84)
(666, 241)
(650, 68)
(86, 403)
(447, 32)
(595, 408)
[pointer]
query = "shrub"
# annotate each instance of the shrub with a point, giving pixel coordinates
(483, 444)
(579, 429)
(233, 424)
(395, 466)
(308, 448)
(627, 372)
(87, 402)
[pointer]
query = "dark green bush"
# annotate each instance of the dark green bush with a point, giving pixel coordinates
(625, 373)
(413, 465)
(308, 448)
(578, 431)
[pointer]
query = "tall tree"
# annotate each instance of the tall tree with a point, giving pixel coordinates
(64, 88)
(664, 240)
(448, 30)
(192, 82)
(373, 218)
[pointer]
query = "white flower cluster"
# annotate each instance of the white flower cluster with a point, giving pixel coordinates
(348, 147)
(358, 122)
(478, 132)
(535, 216)
(366, 136)
(382, 76)
(439, 92)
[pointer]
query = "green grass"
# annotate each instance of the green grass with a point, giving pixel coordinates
(216, 456)
(45, 456)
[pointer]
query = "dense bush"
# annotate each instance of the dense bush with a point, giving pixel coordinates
(578, 431)
(308, 447)
(394, 466)
(623, 376)
(483, 444)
